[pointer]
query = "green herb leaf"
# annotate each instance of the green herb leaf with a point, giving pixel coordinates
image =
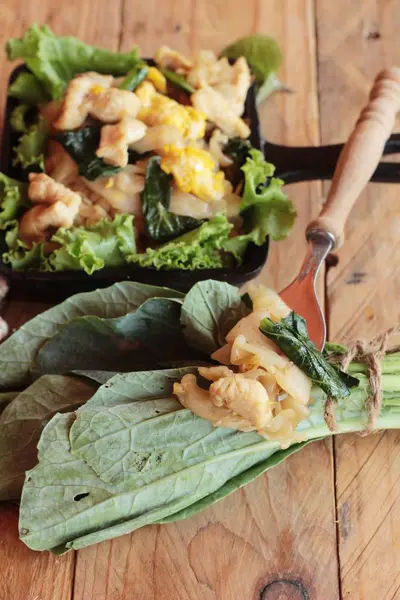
(197, 249)
(178, 80)
(209, 311)
(161, 224)
(144, 339)
(135, 77)
(82, 146)
(23, 420)
(238, 149)
(27, 88)
(18, 352)
(55, 60)
(291, 336)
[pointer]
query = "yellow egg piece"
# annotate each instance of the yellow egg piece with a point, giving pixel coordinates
(157, 79)
(193, 170)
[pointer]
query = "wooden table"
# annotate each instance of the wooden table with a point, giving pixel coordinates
(325, 524)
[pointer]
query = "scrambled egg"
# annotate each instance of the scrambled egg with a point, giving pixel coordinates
(157, 109)
(157, 79)
(194, 172)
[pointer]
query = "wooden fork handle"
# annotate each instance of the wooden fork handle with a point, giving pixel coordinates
(361, 154)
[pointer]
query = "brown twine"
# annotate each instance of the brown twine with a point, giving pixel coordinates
(372, 353)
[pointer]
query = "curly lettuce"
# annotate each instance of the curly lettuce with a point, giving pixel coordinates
(105, 244)
(31, 147)
(28, 89)
(13, 199)
(197, 249)
(55, 60)
(266, 208)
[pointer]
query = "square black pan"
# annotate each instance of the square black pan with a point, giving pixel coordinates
(293, 164)
(50, 286)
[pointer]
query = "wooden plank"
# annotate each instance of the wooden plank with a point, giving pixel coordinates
(363, 294)
(26, 575)
(276, 538)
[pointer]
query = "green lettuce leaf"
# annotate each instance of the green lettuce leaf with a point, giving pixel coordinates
(266, 209)
(55, 60)
(31, 147)
(27, 88)
(149, 337)
(197, 249)
(18, 118)
(161, 224)
(18, 352)
(209, 311)
(82, 146)
(23, 420)
(105, 244)
(13, 199)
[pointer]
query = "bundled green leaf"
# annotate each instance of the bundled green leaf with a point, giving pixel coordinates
(90, 248)
(161, 224)
(82, 146)
(291, 336)
(55, 60)
(197, 249)
(18, 352)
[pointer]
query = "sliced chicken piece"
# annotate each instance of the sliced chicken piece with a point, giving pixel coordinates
(208, 70)
(38, 220)
(245, 397)
(235, 90)
(167, 58)
(114, 105)
(115, 140)
(157, 137)
(218, 111)
(81, 92)
(44, 190)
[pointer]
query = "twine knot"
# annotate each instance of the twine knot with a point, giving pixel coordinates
(371, 353)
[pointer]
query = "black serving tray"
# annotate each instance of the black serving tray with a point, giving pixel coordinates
(293, 164)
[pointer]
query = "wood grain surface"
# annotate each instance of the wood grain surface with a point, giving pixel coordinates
(276, 539)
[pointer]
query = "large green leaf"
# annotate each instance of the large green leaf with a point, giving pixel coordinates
(140, 385)
(23, 420)
(109, 471)
(55, 60)
(143, 339)
(18, 351)
(209, 311)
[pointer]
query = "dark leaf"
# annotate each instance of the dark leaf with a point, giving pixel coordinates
(291, 336)
(82, 146)
(161, 225)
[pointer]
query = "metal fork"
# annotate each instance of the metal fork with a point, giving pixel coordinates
(357, 162)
